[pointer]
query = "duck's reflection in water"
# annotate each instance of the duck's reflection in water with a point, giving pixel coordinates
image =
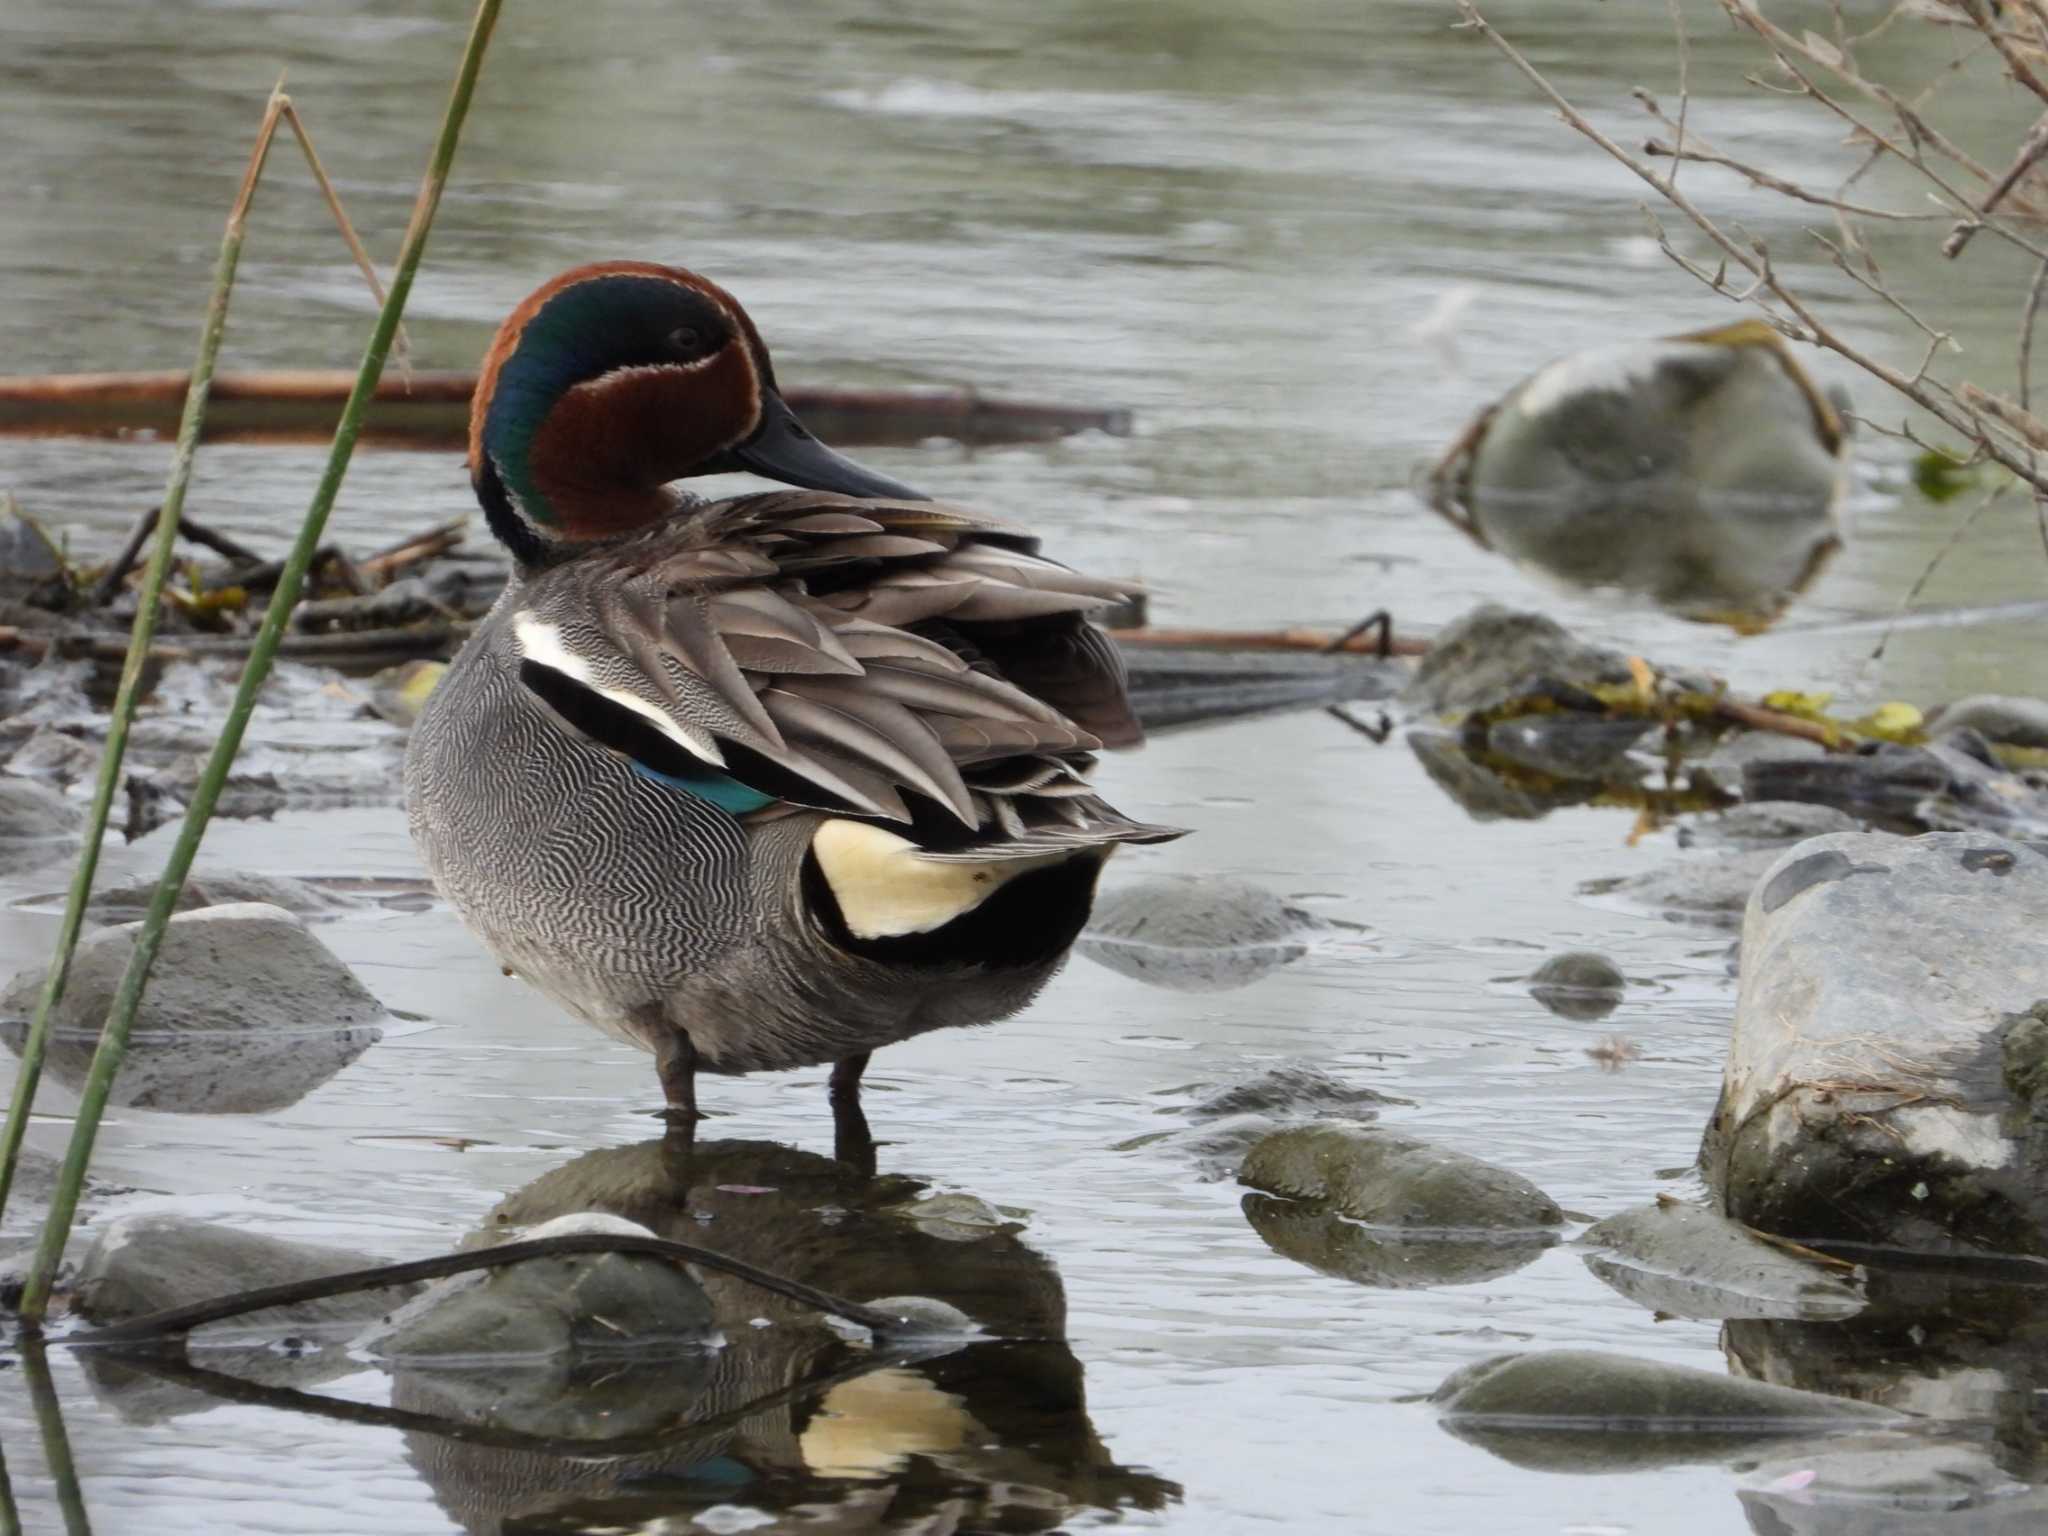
(991, 1436)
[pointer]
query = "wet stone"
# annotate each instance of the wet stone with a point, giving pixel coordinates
(1888, 1485)
(551, 1306)
(148, 1261)
(1702, 471)
(1583, 1410)
(53, 755)
(1485, 792)
(1313, 1235)
(1770, 823)
(1196, 935)
(2008, 720)
(1948, 785)
(1495, 654)
(1712, 892)
(1686, 1261)
(1389, 1179)
(246, 1012)
(1877, 1087)
(1578, 985)
(1290, 1088)
(128, 901)
(1567, 745)
(37, 825)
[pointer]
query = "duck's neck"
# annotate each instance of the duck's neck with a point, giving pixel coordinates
(578, 509)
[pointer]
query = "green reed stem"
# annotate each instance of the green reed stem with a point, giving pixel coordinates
(121, 1016)
(42, 1391)
(143, 631)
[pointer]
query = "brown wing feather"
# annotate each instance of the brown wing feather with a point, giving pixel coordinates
(864, 648)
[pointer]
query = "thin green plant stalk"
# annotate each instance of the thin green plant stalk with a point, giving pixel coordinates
(49, 1411)
(148, 600)
(113, 1043)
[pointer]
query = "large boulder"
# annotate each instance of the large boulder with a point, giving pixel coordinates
(1887, 1079)
(1701, 471)
(245, 1012)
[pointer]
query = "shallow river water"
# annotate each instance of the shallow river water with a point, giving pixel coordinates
(1235, 220)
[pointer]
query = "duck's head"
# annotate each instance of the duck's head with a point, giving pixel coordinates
(615, 379)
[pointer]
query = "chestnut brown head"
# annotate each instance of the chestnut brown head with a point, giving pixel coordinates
(616, 379)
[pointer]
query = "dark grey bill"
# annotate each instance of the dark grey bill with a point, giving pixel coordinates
(783, 449)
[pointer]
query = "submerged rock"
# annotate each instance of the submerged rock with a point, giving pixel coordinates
(1767, 823)
(37, 825)
(551, 1306)
(1487, 793)
(53, 755)
(1583, 1410)
(1568, 745)
(1298, 1089)
(1710, 892)
(1950, 784)
(1889, 1485)
(128, 901)
(1885, 1079)
(1686, 1261)
(1388, 1179)
(1700, 471)
(246, 1012)
(1313, 1234)
(1212, 934)
(1578, 985)
(1493, 655)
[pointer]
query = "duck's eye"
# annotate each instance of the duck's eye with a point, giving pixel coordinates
(686, 338)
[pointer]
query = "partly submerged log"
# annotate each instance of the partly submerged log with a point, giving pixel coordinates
(429, 409)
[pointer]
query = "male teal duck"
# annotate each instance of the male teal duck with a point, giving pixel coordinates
(764, 782)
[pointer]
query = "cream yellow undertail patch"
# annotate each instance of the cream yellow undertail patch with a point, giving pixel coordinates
(885, 890)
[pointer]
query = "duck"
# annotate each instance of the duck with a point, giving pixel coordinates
(762, 782)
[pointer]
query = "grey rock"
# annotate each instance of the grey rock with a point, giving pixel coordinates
(1289, 1088)
(1568, 744)
(37, 825)
(31, 564)
(539, 1308)
(1389, 1179)
(1950, 784)
(2003, 718)
(1484, 792)
(1196, 935)
(54, 755)
(1313, 1234)
(1495, 654)
(1711, 892)
(1771, 823)
(246, 1012)
(1578, 985)
(151, 1260)
(1889, 1485)
(128, 901)
(1686, 1261)
(1885, 1074)
(1582, 1410)
(1700, 471)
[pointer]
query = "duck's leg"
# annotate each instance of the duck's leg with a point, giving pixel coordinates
(675, 1058)
(851, 1143)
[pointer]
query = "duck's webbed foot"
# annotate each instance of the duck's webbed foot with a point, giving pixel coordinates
(851, 1142)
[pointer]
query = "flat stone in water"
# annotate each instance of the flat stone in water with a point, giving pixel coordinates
(246, 1012)
(1687, 1261)
(1393, 1180)
(2009, 720)
(1188, 935)
(1330, 1243)
(1493, 654)
(1712, 892)
(37, 825)
(1772, 822)
(1297, 1088)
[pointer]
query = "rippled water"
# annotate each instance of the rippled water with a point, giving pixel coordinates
(1228, 218)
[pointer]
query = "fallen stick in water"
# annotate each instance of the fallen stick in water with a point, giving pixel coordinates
(430, 409)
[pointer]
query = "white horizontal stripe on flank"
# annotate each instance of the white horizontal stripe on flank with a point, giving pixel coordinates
(540, 642)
